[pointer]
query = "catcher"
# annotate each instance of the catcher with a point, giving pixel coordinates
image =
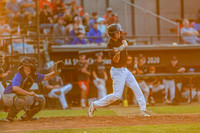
(18, 95)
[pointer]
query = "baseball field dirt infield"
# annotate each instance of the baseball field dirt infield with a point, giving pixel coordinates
(98, 121)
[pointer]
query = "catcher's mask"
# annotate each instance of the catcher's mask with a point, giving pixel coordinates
(28, 61)
(112, 29)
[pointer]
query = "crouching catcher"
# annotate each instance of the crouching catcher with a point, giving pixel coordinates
(18, 95)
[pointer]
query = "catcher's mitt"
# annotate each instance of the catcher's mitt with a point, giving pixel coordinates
(57, 66)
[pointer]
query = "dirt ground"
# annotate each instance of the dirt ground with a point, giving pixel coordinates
(98, 121)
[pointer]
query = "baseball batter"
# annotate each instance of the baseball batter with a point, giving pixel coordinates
(18, 95)
(120, 75)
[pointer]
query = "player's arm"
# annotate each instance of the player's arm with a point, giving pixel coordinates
(20, 91)
(50, 75)
(181, 70)
(94, 75)
(50, 87)
(3, 75)
(116, 58)
(105, 75)
(139, 71)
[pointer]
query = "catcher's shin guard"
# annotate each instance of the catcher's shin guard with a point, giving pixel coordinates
(34, 109)
(12, 114)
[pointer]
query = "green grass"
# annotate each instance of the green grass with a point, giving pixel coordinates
(73, 112)
(113, 111)
(175, 128)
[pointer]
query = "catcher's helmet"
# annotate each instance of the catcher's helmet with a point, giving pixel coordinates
(28, 61)
(113, 28)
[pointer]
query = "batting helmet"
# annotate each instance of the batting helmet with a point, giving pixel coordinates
(113, 28)
(28, 61)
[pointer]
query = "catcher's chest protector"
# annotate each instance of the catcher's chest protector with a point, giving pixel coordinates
(27, 81)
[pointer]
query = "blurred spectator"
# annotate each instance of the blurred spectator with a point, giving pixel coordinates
(4, 30)
(75, 9)
(130, 65)
(58, 7)
(59, 32)
(192, 84)
(28, 10)
(79, 25)
(95, 35)
(100, 76)
(109, 17)
(169, 82)
(142, 69)
(80, 38)
(57, 89)
(197, 21)
(46, 19)
(42, 3)
(86, 21)
(157, 89)
(83, 78)
(94, 19)
(20, 45)
(79, 22)
(189, 34)
(73, 33)
(68, 17)
(13, 11)
(101, 25)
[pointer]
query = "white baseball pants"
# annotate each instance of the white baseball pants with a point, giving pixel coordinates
(169, 85)
(120, 77)
(63, 90)
(102, 92)
(1, 90)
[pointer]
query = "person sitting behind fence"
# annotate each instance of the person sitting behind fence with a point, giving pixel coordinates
(190, 83)
(46, 19)
(95, 35)
(4, 30)
(27, 7)
(79, 39)
(13, 11)
(189, 34)
(18, 45)
(157, 89)
(101, 25)
(57, 89)
(59, 32)
(142, 68)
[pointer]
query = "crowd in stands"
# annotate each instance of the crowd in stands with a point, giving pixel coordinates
(67, 22)
(189, 30)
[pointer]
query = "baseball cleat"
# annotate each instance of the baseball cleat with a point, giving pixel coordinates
(91, 110)
(7, 120)
(167, 101)
(30, 119)
(144, 114)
